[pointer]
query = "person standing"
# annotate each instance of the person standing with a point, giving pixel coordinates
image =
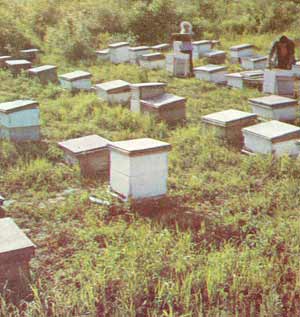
(186, 46)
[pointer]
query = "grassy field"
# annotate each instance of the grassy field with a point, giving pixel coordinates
(225, 242)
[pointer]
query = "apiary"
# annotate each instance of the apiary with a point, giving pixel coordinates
(275, 107)
(178, 65)
(279, 82)
(3, 59)
(46, 73)
(201, 47)
(153, 61)
(119, 52)
(296, 69)
(90, 152)
(255, 62)
(212, 73)
(103, 55)
(215, 57)
(114, 92)
(239, 51)
(144, 91)
(167, 107)
(272, 137)
(135, 53)
(228, 124)
(16, 251)
(20, 120)
(30, 54)
(77, 80)
(139, 168)
(161, 47)
(16, 66)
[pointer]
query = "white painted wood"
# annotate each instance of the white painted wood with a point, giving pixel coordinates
(279, 82)
(201, 47)
(135, 53)
(235, 80)
(254, 62)
(119, 52)
(212, 73)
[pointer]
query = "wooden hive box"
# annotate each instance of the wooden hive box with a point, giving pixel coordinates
(255, 62)
(279, 82)
(272, 137)
(167, 107)
(153, 61)
(139, 168)
(239, 51)
(296, 69)
(3, 59)
(275, 107)
(16, 251)
(114, 92)
(46, 73)
(240, 80)
(144, 91)
(161, 47)
(135, 53)
(30, 54)
(215, 57)
(77, 80)
(20, 120)
(178, 64)
(235, 80)
(201, 47)
(212, 73)
(90, 152)
(119, 52)
(228, 124)
(103, 55)
(16, 66)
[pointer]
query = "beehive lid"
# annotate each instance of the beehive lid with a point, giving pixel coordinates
(84, 144)
(234, 75)
(41, 69)
(153, 56)
(77, 75)
(241, 47)
(17, 105)
(273, 101)
(140, 146)
(161, 46)
(139, 48)
(228, 117)
(105, 51)
(211, 68)
(149, 85)
(253, 74)
(163, 100)
(4, 58)
(13, 241)
(203, 42)
(259, 58)
(274, 131)
(119, 44)
(30, 50)
(15, 62)
(114, 86)
(215, 53)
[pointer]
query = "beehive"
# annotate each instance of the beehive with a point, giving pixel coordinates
(114, 92)
(272, 137)
(153, 61)
(135, 53)
(235, 80)
(144, 91)
(178, 65)
(239, 51)
(103, 55)
(139, 168)
(119, 52)
(255, 62)
(161, 47)
(228, 124)
(16, 251)
(279, 82)
(213, 73)
(78, 80)
(215, 57)
(46, 73)
(201, 47)
(90, 152)
(3, 59)
(30, 54)
(20, 120)
(17, 65)
(245, 79)
(167, 107)
(275, 107)
(296, 69)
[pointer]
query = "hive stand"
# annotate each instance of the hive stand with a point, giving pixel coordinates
(272, 137)
(46, 74)
(240, 80)
(200, 48)
(3, 59)
(275, 107)
(212, 73)
(90, 152)
(114, 92)
(20, 120)
(16, 251)
(153, 61)
(77, 80)
(161, 47)
(139, 169)
(119, 52)
(255, 62)
(16, 66)
(103, 55)
(135, 53)
(30, 54)
(239, 51)
(228, 124)
(215, 57)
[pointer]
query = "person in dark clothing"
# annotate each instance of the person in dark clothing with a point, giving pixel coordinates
(2, 211)
(187, 46)
(282, 54)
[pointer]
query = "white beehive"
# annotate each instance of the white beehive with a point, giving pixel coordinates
(45, 73)
(161, 47)
(215, 57)
(135, 53)
(296, 69)
(119, 52)
(228, 124)
(279, 82)
(272, 137)
(30, 54)
(139, 168)
(17, 65)
(103, 55)
(178, 65)
(77, 80)
(114, 92)
(201, 47)
(275, 107)
(20, 120)
(235, 80)
(212, 73)
(255, 62)
(245, 79)
(16, 251)
(144, 91)
(3, 59)
(153, 61)
(90, 152)
(239, 51)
